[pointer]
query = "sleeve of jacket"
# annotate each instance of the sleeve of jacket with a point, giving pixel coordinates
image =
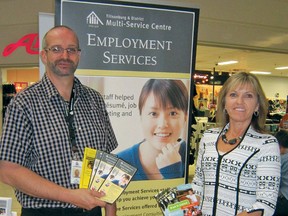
(268, 177)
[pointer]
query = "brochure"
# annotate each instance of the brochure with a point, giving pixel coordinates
(178, 201)
(87, 164)
(97, 160)
(105, 172)
(104, 168)
(117, 181)
(5, 206)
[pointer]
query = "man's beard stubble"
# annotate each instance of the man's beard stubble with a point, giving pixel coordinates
(53, 67)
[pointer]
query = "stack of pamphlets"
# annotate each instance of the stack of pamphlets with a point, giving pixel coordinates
(178, 201)
(5, 206)
(108, 174)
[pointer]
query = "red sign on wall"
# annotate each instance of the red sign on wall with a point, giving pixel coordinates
(29, 41)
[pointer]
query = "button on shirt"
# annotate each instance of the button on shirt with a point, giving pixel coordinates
(36, 134)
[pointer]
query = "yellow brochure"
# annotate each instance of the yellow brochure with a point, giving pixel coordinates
(87, 165)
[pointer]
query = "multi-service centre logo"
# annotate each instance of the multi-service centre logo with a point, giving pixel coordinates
(93, 20)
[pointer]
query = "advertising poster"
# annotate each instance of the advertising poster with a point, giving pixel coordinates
(140, 57)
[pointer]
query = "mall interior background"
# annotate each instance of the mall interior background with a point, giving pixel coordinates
(218, 21)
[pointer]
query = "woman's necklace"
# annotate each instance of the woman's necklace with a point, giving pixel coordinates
(231, 141)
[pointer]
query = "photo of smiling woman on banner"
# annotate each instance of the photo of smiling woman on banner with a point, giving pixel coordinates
(163, 106)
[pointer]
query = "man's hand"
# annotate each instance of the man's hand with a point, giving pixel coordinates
(85, 198)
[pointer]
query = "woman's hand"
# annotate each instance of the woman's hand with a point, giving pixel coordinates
(169, 155)
(256, 213)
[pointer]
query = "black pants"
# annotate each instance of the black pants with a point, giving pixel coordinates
(60, 212)
(281, 207)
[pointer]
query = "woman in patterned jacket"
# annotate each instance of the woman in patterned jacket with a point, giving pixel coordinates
(238, 165)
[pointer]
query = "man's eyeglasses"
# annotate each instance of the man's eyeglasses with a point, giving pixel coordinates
(60, 50)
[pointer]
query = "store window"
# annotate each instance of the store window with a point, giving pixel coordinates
(15, 80)
(208, 85)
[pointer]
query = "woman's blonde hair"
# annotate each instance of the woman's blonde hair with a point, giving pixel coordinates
(239, 79)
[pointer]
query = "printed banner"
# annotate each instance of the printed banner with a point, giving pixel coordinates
(140, 57)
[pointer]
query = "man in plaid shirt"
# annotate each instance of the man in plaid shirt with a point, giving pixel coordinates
(47, 127)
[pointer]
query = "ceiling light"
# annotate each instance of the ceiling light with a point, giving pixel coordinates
(281, 68)
(227, 62)
(260, 72)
